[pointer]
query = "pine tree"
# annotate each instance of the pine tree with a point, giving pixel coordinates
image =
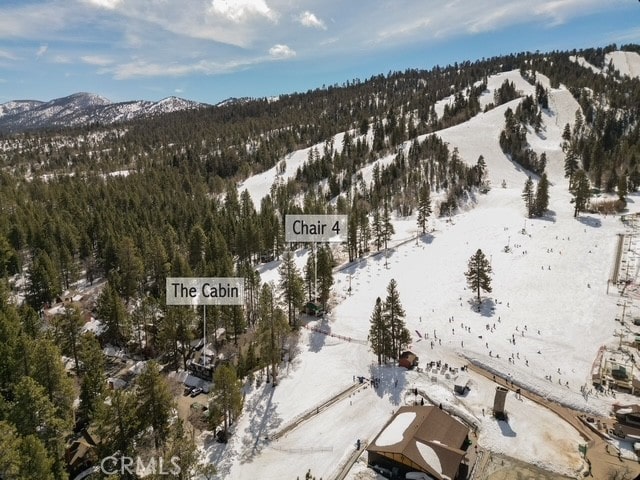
(424, 207)
(43, 281)
(623, 188)
(479, 273)
(387, 226)
(352, 236)
(377, 229)
(292, 285)
(566, 133)
(226, 398)
(155, 402)
(117, 423)
(48, 370)
(113, 314)
(91, 376)
(130, 268)
(581, 191)
(542, 196)
(571, 165)
(310, 275)
(272, 330)
(528, 196)
(394, 317)
(325, 275)
(378, 332)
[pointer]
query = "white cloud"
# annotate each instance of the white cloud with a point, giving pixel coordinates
(62, 59)
(7, 55)
(178, 90)
(141, 68)
(108, 4)
(281, 51)
(98, 60)
(239, 11)
(33, 21)
(42, 50)
(309, 19)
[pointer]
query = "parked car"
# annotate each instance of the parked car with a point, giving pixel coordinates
(196, 391)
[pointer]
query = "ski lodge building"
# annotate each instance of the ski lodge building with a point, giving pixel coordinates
(421, 439)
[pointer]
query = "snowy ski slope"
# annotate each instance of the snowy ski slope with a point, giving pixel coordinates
(549, 309)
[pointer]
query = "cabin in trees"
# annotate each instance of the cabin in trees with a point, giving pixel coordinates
(421, 439)
(81, 452)
(313, 308)
(408, 360)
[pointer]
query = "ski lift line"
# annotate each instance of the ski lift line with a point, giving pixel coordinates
(346, 265)
(335, 335)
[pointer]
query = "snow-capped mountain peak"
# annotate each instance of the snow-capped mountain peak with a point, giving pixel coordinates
(82, 108)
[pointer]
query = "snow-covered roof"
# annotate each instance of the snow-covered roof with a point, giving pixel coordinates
(394, 432)
(425, 436)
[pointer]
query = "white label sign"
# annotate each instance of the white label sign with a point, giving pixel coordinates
(205, 291)
(315, 228)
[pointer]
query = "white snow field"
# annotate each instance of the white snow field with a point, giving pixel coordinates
(542, 325)
(627, 63)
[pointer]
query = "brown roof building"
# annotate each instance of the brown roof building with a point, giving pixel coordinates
(421, 438)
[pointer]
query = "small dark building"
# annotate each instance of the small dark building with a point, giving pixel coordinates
(313, 308)
(408, 360)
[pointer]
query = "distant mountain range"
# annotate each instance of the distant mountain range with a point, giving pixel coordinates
(82, 109)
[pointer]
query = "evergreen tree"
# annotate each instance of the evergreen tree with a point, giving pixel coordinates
(129, 268)
(479, 273)
(325, 275)
(113, 313)
(155, 402)
(43, 281)
(566, 136)
(226, 398)
(23, 457)
(387, 226)
(36, 461)
(272, 330)
(197, 249)
(292, 285)
(542, 196)
(48, 370)
(378, 229)
(310, 275)
(394, 317)
(528, 196)
(352, 236)
(571, 165)
(424, 207)
(581, 192)
(68, 328)
(118, 424)
(10, 460)
(623, 188)
(378, 332)
(91, 376)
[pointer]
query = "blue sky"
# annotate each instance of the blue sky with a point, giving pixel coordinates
(209, 50)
